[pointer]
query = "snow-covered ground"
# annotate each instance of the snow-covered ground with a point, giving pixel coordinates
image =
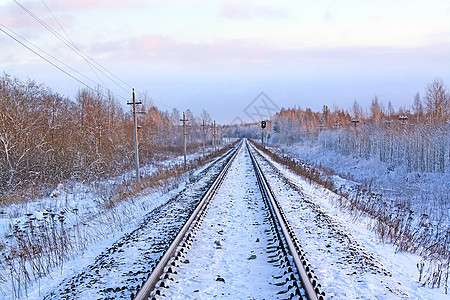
(426, 192)
(92, 227)
(125, 243)
(349, 259)
(120, 269)
(229, 256)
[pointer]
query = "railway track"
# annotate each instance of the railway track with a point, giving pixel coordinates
(118, 272)
(184, 235)
(337, 253)
(275, 253)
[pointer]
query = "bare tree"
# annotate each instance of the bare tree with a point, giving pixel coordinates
(376, 111)
(390, 110)
(417, 107)
(325, 115)
(205, 116)
(357, 110)
(437, 101)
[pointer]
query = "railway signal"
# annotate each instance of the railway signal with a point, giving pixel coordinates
(263, 125)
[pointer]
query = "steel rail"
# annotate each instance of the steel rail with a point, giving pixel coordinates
(290, 239)
(154, 277)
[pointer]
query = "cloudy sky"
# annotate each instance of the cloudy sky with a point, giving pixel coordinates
(220, 55)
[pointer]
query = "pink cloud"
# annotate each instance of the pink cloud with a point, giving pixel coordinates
(17, 18)
(164, 51)
(153, 43)
(85, 5)
(161, 50)
(247, 11)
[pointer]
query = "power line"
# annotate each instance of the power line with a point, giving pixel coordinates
(70, 40)
(48, 54)
(56, 66)
(159, 102)
(16, 38)
(56, 59)
(72, 46)
(60, 26)
(69, 43)
(78, 49)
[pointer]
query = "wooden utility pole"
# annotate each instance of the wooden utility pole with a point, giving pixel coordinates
(214, 135)
(204, 136)
(136, 142)
(185, 133)
(217, 136)
(355, 122)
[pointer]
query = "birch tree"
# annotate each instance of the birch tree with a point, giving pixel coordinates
(437, 101)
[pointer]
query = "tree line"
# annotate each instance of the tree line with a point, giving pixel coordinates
(417, 137)
(46, 138)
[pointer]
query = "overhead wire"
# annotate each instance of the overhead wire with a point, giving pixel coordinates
(50, 62)
(69, 43)
(24, 40)
(78, 49)
(73, 47)
(84, 55)
(59, 24)
(70, 40)
(48, 54)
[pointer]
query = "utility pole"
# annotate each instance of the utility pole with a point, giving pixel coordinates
(204, 136)
(136, 142)
(185, 133)
(217, 137)
(214, 135)
(355, 122)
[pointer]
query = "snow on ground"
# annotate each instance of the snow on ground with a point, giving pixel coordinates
(426, 192)
(120, 269)
(83, 205)
(83, 197)
(349, 260)
(229, 256)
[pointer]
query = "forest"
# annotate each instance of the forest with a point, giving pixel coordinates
(416, 136)
(46, 138)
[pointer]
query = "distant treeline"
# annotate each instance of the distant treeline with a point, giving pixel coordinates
(46, 138)
(417, 137)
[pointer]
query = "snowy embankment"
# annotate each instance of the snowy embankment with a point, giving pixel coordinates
(46, 240)
(391, 183)
(425, 192)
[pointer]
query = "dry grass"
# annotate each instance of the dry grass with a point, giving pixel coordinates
(300, 168)
(394, 222)
(161, 178)
(37, 245)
